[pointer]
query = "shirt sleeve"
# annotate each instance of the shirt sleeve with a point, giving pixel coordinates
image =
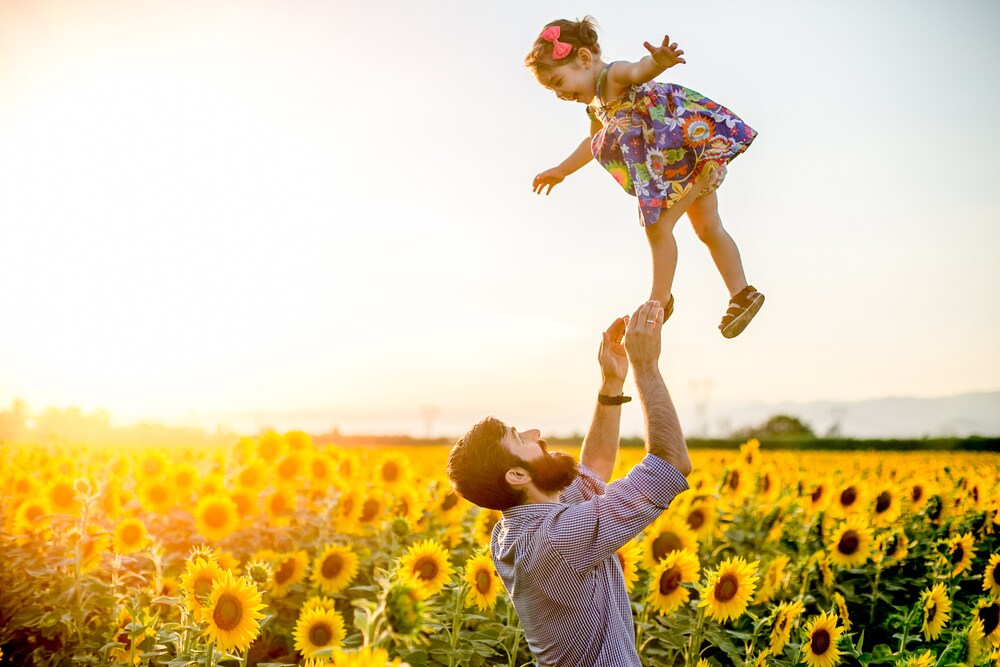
(586, 485)
(591, 531)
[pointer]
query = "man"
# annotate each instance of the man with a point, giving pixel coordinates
(555, 546)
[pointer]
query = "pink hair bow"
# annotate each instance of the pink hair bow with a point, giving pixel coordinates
(559, 49)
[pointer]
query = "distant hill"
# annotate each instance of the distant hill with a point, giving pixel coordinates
(949, 416)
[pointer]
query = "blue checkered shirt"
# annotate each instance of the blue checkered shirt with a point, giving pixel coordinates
(558, 563)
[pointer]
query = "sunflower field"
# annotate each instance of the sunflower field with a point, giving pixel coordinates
(278, 551)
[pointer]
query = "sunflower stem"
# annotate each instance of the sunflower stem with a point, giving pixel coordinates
(456, 624)
(694, 641)
(906, 630)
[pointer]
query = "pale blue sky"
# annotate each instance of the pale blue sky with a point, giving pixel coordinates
(214, 209)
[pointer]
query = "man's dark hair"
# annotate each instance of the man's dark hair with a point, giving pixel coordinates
(478, 463)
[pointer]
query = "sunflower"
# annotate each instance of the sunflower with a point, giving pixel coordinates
(628, 558)
(845, 617)
(961, 551)
(153, 464)
(784, 618)
(936, 606)
(773, 580)
(216, 517)
(271, 447)
(245, 501)
(233, 613)
(321, 471)
(317, 602)
(198, 581)
(851, 499)
(345, 513)
(918, 495)
(157, 495)
(991, 578)
(334, 568)
(289, 570)
(109, 502)
(894, 546)
(290, 469)
(408, 505)
(252, 476)
(366, 656)
(819, 498)
(665, 591)
(925, 659)
(425, 567)
(404, 610)
(700, 517)
(280, 504)
(729, 589)
(318, 629)
(130, 536)
(666, 534)
(970, 643)
(61, 496)
(736, 483)
(988, 612)
(851, 543)
(820, 647)
(93, 543)
(886, 506)
(482, 525)
(391, 472)
(183, 477)
(372, 509)
(484, 582)
(32, 517)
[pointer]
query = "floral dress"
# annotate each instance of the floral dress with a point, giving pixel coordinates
(658, 138)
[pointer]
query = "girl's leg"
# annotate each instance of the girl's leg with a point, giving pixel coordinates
(663, 246)
(704, 217)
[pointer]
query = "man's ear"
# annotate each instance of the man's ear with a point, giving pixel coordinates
(517, 476)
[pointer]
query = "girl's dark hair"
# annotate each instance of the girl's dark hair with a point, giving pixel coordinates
(578, 34)
(478, 463)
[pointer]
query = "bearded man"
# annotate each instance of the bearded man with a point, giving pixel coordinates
(555, 547)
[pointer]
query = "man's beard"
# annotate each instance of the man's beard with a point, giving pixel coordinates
(553, 472)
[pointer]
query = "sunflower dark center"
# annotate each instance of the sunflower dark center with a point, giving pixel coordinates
(390, 471)
(975, 493)
(320, 634)
(483, 581)
(347, 505)
(426, 568)
(664, 544)
(696, 519)
(958, 554)
(917, 493)
(369, 510)
(33, 513)
(332, 566)
(288, 469)
(767, 483)
(228, 612)
(931, 613)
(936, 506)
(203, 585)
(996, 573)
(849, 542)
(817, 494)
(450, 501)
(782, 622)
(820, 641)
(284, 571)
(990, 616)
(131, 534)
(727, 587)
(734, 480)
(63, 495)
(216, 516)
(848, 496)
(883, 502)
(670, 580)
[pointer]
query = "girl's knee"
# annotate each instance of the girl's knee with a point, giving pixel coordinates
(707, 228)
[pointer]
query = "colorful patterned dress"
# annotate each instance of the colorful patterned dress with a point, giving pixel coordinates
(658, 138)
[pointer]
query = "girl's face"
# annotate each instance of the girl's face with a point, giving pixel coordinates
(574, 81)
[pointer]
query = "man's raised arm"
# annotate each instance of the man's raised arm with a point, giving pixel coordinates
(663, 430)
(600, 445)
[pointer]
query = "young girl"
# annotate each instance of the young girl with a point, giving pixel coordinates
(665, 144)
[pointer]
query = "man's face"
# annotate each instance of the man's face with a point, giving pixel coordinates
(550, 471)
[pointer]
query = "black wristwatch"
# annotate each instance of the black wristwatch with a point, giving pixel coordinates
(604, 399)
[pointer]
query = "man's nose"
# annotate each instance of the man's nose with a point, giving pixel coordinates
(532, 435)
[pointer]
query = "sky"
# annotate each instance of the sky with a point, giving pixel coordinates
(320, 213)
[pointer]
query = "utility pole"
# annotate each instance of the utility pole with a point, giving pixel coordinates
(429, 413)
(701, 389)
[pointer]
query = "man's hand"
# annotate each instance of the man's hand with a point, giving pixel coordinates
(612, 357)
(666, 55)
(642, 334)
(549, 177)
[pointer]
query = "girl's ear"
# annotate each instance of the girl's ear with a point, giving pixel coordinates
(584, 56)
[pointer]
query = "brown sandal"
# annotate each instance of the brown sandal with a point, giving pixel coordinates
(742, 309)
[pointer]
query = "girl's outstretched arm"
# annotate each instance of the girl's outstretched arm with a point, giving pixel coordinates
(581, 156)
(660, 58)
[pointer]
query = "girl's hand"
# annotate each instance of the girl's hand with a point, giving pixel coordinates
(549, 177)
(666, 55)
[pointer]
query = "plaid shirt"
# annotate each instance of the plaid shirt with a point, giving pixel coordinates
(558, 562)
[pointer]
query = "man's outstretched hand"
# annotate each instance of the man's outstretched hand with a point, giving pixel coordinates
(642, 334)
(612, 357)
